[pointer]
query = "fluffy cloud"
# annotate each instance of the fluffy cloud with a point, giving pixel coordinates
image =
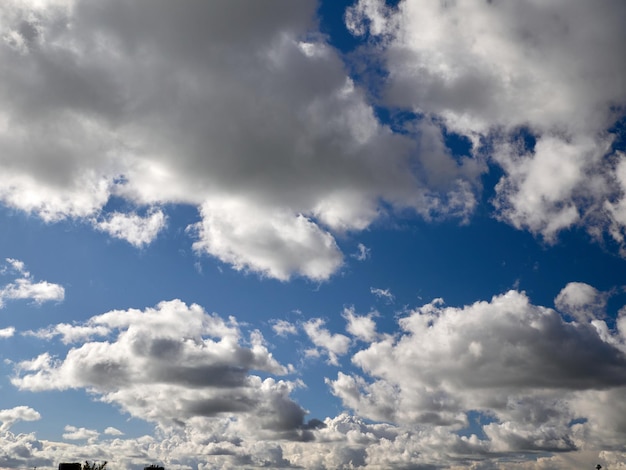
(495, 76)
(244, 112)
(24, 288)
(522, 365)
(174, 351)
(284, 328)
(582, 301)
(10, 416)
(537, 382)
(136, 230)
(362, 327)
(73, 433)
(7, 332)
(333, 345)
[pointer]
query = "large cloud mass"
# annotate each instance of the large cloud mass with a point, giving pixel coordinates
(241, 110)
(169, 365)
(482, 382)
(523, 366)
(489, 70)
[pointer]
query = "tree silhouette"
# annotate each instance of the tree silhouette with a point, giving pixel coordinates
(94, 465)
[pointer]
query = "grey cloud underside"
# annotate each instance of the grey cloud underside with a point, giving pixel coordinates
(540, 380)
(248, 114)
(488, 70)
(213, 104)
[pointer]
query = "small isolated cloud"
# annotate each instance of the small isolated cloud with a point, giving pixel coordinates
(362, 327)
(10, 416)
(136, 230)
(582, 301)
(7, 332)
(72, 433)
(25, 288)
(362, 252)
(333, 345)
(383, 294)
(111, 431)
(284, 328)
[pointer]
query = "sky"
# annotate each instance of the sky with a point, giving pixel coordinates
(328, 234)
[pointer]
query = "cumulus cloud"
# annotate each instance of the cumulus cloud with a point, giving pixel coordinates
(284, 328)
(362, 327)
(177, 351)
(111, 431)
(136, 230)
(521, 364)
(273, 243)
(539, 382)
(7, 332)
(581, 301)
(73, 433)
(334, 345)
(492, 81)
(24, 287)
(161, 105)
(10, 416)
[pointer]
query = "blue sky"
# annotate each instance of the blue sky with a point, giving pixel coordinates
(313, 234)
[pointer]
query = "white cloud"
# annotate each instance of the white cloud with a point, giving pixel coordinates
(540, 383)
(495, 76)
(24, 288)
(275, 243)
(581, 301)
(179, 352)
(182, 109)
(362, 327)
(10, 416)
(7, 332)
(111, 431)
(383, 294)
(520, 364)
(73, 433)
(136, 230)
(362, 252)
(333, 345)
(284, 328)
(70, 333)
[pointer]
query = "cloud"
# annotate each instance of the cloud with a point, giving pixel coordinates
(257, 124)
(537, 381)
(7, 332)
(111, 431)
(284, 328)
(23, 288)
(362, 252)
(581, 301)
(179, 352)
(362, 327)
(136, 230)
(70, 333)
(521, 364)
(73, 433)
(383, 294)
(333, 345)
(491, 81)
(276, 244)
(10, 416)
